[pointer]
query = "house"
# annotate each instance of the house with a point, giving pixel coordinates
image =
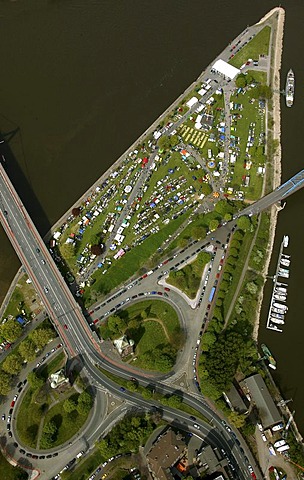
(260, 395)
(124, 346)
(168, 449)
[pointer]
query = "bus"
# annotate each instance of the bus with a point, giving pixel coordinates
(211, 296)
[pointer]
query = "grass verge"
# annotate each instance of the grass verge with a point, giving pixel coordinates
(259, 45)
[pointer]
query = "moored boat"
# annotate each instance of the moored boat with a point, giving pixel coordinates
(268, 356)
(285, 241)
(290, 88)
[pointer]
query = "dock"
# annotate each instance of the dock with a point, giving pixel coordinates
(278, 307)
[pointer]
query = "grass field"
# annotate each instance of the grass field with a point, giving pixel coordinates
(188, 279)
(259, 45)
(160, 310)
(34, 404)
(68, 424)
(21, 298)
(132, 261)
(8, 472)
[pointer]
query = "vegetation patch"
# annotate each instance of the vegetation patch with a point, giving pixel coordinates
(65, 419)
(188, 279)
(8, 472)
(35, 402)
(130, 263)
(85, 468)
(259, 45)
(154, 326)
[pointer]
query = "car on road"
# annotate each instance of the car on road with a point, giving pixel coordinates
(3, 417)
(159, 293)
(12, 404)
(21, 450)
(122, 389)
(46, 289)
(15, 397)
(153, 293)
(196, 426)
(167, 289)
(65, 326)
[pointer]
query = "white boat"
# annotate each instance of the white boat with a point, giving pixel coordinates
(278, 310)
(280, 290)
(277, 320)
(285, 262)
(280, 305)
(283, 274)
(282, 298)
(280, 316)
(290, 88)
(280, 284)
(285, 256)
(285, 241)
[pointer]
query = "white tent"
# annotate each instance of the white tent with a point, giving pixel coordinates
(225, 69)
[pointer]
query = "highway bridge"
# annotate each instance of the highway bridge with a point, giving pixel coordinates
(72, 326)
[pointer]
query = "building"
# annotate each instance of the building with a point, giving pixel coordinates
(168, 449)
(225, 69)
(268, 412)
(58, 378)
(124, 346)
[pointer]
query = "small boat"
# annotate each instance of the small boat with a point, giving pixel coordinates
(278, 310)
(285, 256)
(290, 88)
(285, 241)
(278, 315)
(280, 290)
(268, 356)
(277, 321)
(282, 298)
(285, 262)
(280, 305)
(283, 274)
(280, 284)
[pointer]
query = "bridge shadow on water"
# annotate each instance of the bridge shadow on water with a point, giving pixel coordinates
(21, 182)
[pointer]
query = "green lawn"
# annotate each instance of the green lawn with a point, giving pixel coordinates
(259, 45)
(86, 466)
(188, 279)
(21, 299)
(157, 309)
(132, 261)
(68, 424)
(8, 472)
(30, 411)
(29, 415)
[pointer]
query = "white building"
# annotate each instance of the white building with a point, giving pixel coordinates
(225, 69)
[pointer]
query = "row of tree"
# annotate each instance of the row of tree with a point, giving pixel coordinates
(26, 352)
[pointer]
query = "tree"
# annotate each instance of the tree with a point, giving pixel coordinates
(198, 233)
(147, 393)
(76, 211)
(11, 330)
(183, 242)
(222, 207)
(173, 140)
(12, 364)
(27, 350)
(213, 225)
(50, 427)
(206, 189)
(34, 380)
(68, 250)
(41, 336)
(5, 383)
(241, 81)
(96, 250)
(244, 223)
(163, 142)
(252, 288)
(116, 324)
(237, 419)
(227, 217)
(84, 403)
(69, 405)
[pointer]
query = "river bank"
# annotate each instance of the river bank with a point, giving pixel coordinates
(273, 134)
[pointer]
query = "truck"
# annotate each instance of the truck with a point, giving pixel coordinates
(211, 296)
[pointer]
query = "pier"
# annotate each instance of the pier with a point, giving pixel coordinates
(277, 310)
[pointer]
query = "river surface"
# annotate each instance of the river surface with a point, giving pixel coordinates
(82, 79)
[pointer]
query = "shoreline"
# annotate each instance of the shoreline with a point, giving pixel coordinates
(277, 44)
